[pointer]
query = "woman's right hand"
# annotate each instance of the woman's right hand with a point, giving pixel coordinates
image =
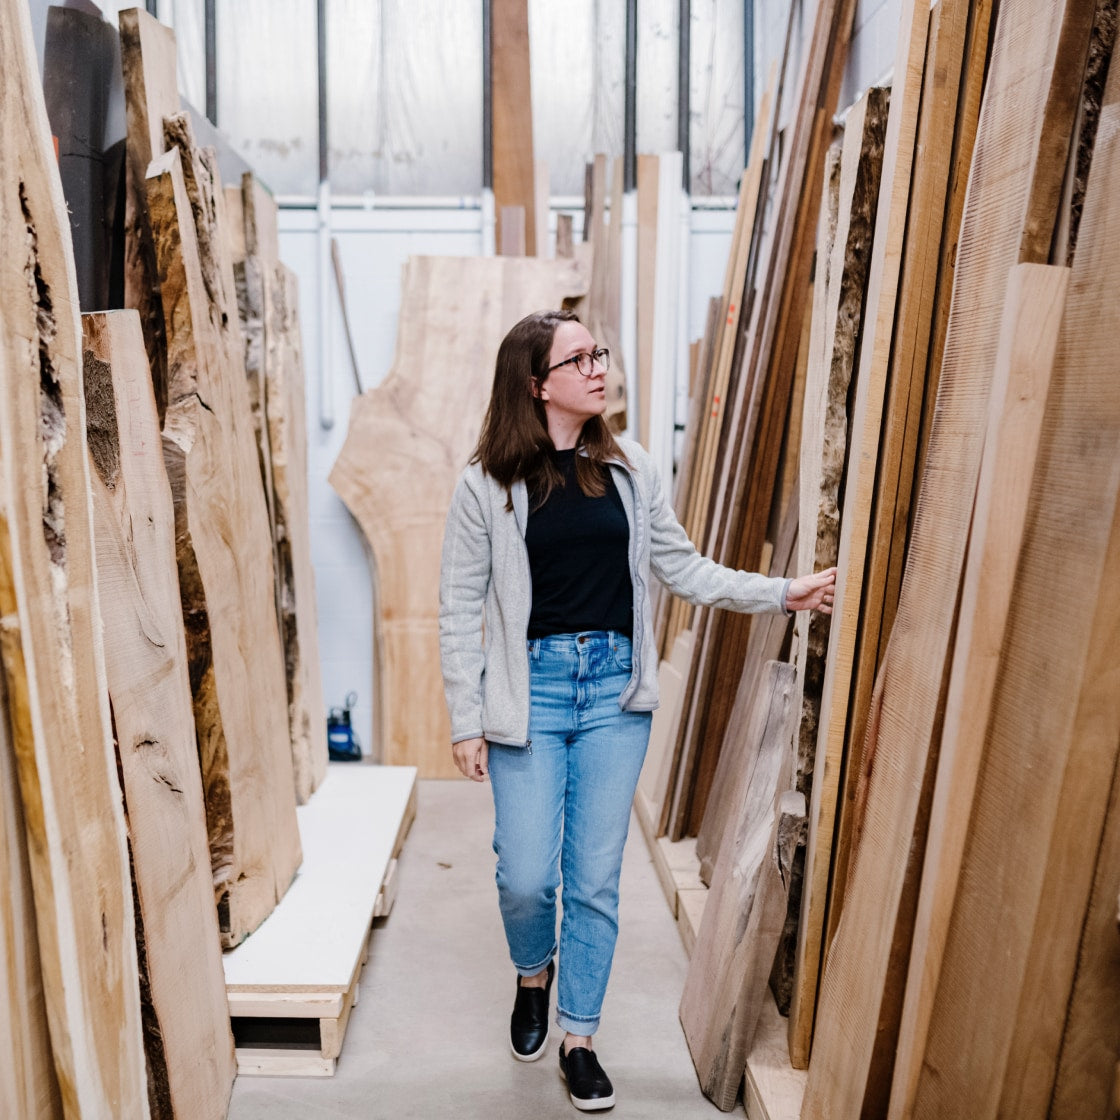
(470, 757)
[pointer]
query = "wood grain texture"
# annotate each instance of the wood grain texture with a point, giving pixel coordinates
(28, 1086)
(952, 23)
(512, 116)
(826, 459)
(148, 59)
(1045, 670)
(224, 551)
(1007, 142)
(1020, 385)
(407, 443)
(743, 915)
(299, 620)
(187, 1035)
(50, 644)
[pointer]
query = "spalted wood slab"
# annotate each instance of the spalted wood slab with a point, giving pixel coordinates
(224, 551)
(28, 1085)
(299, 625)
(187, 1032)
(148, 60)
(408, 442)
(902, 734)
(50, 642)
(745, 910)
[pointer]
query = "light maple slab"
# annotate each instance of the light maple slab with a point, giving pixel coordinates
(50, 642)
(408, 441)
(28, 1086)
(897, 757)
(1020, 386)
(1035, 734)
(187, 1035)
(224, 552)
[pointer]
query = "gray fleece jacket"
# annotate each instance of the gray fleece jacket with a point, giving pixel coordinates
(485, 573)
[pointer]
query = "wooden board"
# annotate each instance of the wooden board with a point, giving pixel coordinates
(187, 1036)
(408, 441)
(299, 622)
(772, 1088)
(28, 1085)
(1020, 385)
(305, 961)
(1045, 674)
(148, 59)
(227, 593)
(50, 645)
(648, 181)
(743, 915)
(954, 24)
(512, 117)
(853, 983)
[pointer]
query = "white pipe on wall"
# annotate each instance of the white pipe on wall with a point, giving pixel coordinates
(326, 378)
(629, 307)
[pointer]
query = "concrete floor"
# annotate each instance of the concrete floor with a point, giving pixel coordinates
(429, 1036)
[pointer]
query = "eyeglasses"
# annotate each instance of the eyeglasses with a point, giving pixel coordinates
(585, 362)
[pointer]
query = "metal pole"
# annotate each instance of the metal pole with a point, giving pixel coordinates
(684, 91)
(152, 7)
(487, 100)
(630, 122)
(748, 77)
(326, 381)
(211, 62)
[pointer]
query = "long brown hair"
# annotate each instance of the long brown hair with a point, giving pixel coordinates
(515, 443)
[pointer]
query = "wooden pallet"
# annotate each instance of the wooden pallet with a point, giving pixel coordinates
(292, 985)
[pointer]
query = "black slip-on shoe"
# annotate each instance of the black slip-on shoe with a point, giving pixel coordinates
(528, 1025)
(589, 1088)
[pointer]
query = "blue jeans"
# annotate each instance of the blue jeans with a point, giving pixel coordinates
(562, 811)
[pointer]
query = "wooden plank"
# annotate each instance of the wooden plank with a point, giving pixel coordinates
(654, 777)
(745, 909)
(1067, 1032)
(28, 1085)
(50, 644)
(299, 623)
(853, 983)
(1045, 672)
(148, 59)
(772, 1088)
(406, 445)
(187, 1037)
(1020, 384)
(512, 116)
(511, 222)
(227, 594)
(952, 24)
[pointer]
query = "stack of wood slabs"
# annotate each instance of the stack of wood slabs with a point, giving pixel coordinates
(187, 1033)
(225, 569)
(407, 444)
(267, 297)
(730, 967)
(223, 537)
(291, 986)
(1037, 64)
(57, 712)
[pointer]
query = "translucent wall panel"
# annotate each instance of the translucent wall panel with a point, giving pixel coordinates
(188, 18)
(716, 133)
(405, 96)
(578, 61)
(268, 89)
(658, 64)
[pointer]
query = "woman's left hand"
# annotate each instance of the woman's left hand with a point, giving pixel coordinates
(815, 592)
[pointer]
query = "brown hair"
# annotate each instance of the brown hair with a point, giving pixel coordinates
(515, 443)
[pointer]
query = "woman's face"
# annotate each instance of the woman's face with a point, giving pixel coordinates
(568, 396)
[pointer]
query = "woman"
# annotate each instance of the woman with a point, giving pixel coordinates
(553, 534)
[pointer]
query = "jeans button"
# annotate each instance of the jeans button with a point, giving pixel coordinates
(582, 638)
